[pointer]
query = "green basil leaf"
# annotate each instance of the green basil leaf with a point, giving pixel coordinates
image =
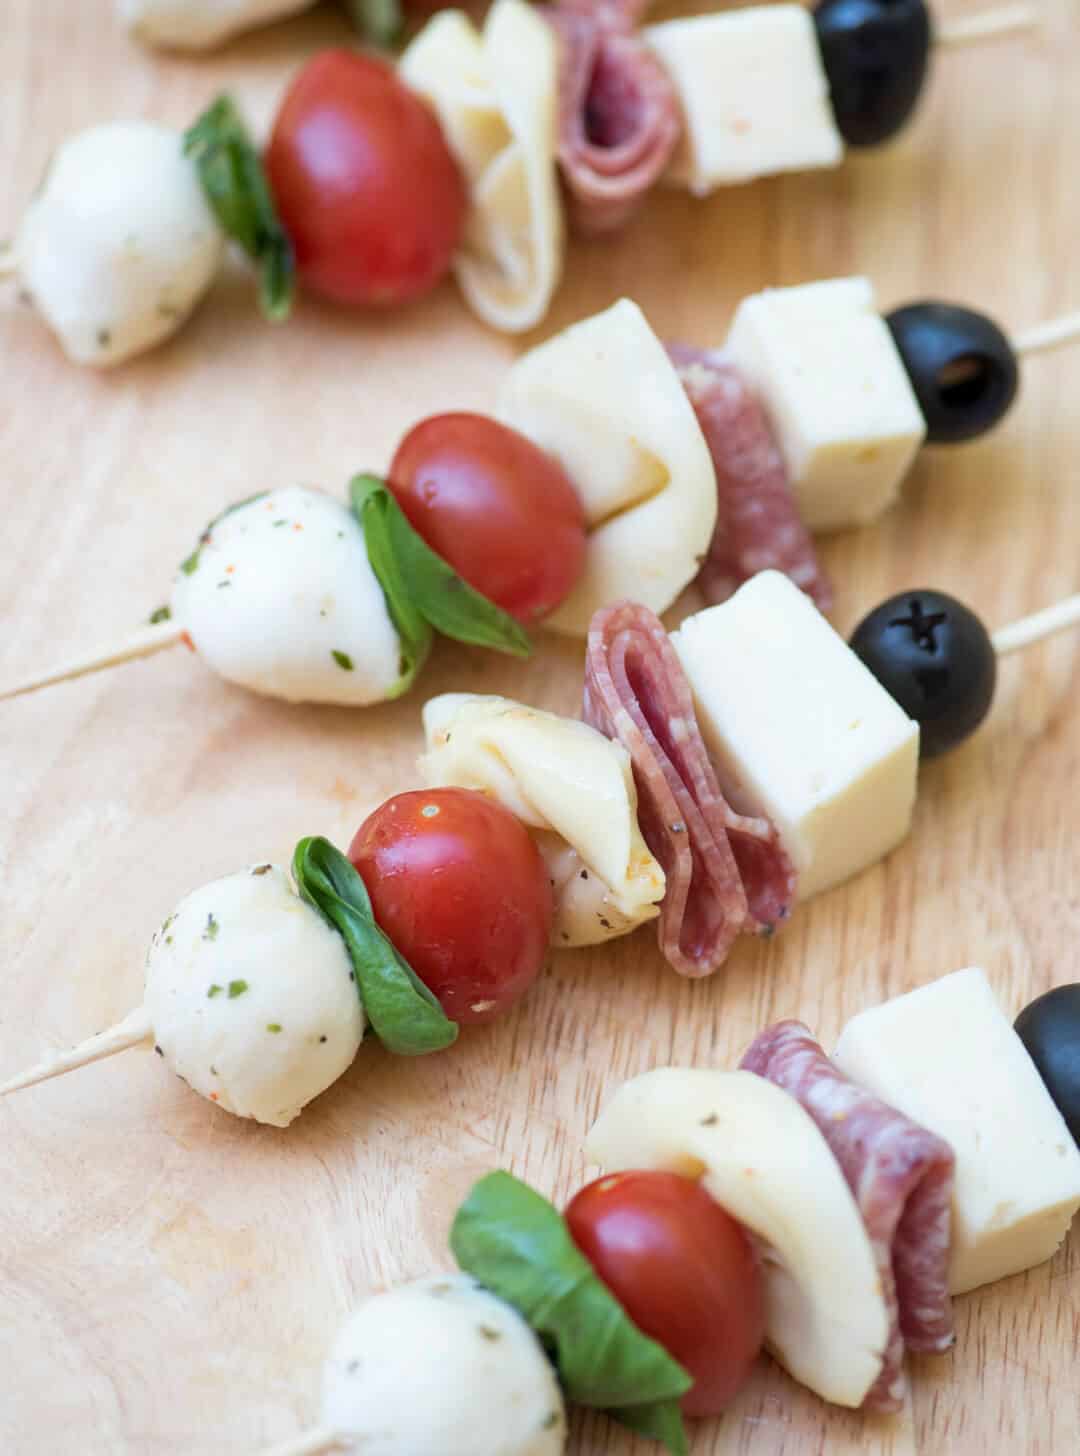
(436, 591)
(518, 1246)
(381, 21)
(235, 184)
(190, 564)
(661, 1421)
(370, 506)
(403, 1013)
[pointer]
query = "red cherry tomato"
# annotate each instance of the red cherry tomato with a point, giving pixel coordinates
(459, 886)
(364, 182)
(497, 507)
(683, 1270)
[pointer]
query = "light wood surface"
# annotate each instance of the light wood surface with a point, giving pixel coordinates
(170, 1278)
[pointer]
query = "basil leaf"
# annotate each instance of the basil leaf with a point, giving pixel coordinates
(662, 1421)
(381, 21)
(369, 503)
(235, 184)
(518, 1246)
(403, 1013)
(436, 591)
(190, 564)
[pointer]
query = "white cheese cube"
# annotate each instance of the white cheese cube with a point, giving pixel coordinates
(754, 95)
(831, 380)
(800, 730)
(947, 1057)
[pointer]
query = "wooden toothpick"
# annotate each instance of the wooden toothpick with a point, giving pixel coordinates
(309, 1444)
(1037, 627)
(143, 643)
(132, 1031)
(987, 25)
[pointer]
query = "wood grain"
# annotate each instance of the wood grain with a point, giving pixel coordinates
(169, 1277)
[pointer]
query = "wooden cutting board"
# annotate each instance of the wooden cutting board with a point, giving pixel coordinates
(170, 1277)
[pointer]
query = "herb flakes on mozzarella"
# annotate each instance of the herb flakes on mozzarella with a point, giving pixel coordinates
(327, 638)
(119, 244)
(441, 1367)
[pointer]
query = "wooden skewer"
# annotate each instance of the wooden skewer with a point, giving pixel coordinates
(987, 25)
(132, 1031)
(1051, 620)
(9, 262)
(143, 643)
(1051, 335)
(309, 1444)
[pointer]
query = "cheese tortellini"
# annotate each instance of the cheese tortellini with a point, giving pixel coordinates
(604, 398)
(496, 95)
(573, 787)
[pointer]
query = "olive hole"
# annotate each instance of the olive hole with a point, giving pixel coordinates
(965, 381)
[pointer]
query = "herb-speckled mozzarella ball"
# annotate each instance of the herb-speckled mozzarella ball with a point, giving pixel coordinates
(198, 25)
(281, 598)
(119, 244)
(251, 996)
(442, 1368)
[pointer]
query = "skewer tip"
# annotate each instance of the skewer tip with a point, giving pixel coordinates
(311, 1443)
(131, 1032)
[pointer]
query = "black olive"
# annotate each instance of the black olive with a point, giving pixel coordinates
(875, 54)
(961, 366)
(1050, 1030)
(935, 657)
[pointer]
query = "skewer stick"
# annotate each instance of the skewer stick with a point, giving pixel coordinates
(309, 1444)
(143, 643)
(130, 1032)
(987, 25)
(1051, 335)
(9, 262)
(1029, 630)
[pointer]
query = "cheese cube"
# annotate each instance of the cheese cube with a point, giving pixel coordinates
(947, 1056)
(754, 95)
(800, 730)
(831, 380)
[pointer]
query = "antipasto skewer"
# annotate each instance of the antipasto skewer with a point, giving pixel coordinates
(915, 1178)
(128, 229)
(677, 800)
(617, 468)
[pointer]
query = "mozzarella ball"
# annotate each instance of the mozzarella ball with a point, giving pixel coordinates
(197, 25)
(119, 243)
(280, 597)
(442, 1368)
(252, 998)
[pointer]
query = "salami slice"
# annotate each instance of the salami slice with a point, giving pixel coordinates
(902, 1179)
(758, 525)
(726, 873)
(619, 119)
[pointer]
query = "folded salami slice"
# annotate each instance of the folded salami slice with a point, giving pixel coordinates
(725, 873)
(619, 119)
(902, 1179)
(758, 526)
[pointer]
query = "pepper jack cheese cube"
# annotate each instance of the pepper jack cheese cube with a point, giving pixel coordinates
(831, 380)
(753, 92)
(946, 1056)
(800, 730)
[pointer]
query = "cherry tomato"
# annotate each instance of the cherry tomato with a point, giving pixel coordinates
(459, 886)
(497, 507)
(364, 181)
(683, 1270)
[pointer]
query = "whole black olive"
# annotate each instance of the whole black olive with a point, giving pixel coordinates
(962, 368)
(875, 54)
(1050, 1030)
(935, 657)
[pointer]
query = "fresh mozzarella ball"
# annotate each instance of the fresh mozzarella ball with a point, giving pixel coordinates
(442, 1368)
(119, 244)
(281, 598)
(252, 998)
(197, 25)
